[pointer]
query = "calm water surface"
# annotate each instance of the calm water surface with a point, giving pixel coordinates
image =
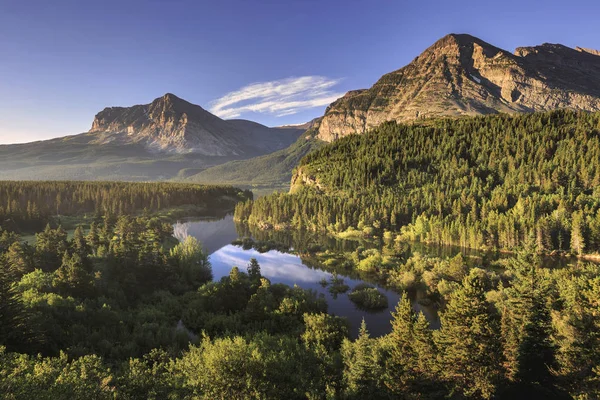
(280, 267)
(216, 236)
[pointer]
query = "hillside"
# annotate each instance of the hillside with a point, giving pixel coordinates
(461, 75)
(156, 141)
(483, 182)
(458, 76)
(268, 172)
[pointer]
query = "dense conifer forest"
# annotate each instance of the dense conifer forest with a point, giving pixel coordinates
(123, 312)
(483, 182)
(119, 309)
(26, 205)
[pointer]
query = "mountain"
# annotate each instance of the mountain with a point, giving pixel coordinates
(170, 124)
(268, 172)
(171, 138)
(462, 75)
(459, 75)
(487, 182)
(165, 139)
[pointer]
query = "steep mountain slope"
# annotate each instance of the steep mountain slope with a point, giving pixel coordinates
(272, 171)
(268, 172)
(482, 182)
(156, 141)
(462, 75)
(170, 124)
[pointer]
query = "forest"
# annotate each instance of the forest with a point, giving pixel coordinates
(30, 205)
(122, 313)
(485, 182)
(121, 310)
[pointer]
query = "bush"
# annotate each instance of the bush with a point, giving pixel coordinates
(337, 286)
(403, 280)
(371, 263)
(368, 298)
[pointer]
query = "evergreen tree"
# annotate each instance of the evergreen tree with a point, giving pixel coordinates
(578, 233)
(363, 369)
(79, 244)
(401, 362)
(18, 259)
(410, 367)
(49, 246)
(526, 324)
(93, 237)
(254, 269)
(14, 331)
(73, 278)
(469, 342)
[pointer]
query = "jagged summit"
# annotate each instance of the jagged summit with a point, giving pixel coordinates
(463, 75)
(457, 41)
(171, 124)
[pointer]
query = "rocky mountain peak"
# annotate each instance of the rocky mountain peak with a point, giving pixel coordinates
(171, 124)
(460, 46)
(464, 75)
(171, 103)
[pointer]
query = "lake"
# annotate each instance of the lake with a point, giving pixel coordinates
(216, 236)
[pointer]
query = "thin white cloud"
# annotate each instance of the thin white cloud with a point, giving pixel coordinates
(282, 97)
(273, 265)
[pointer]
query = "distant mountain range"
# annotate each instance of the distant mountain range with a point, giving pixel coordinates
(172, 125)
(170, 138)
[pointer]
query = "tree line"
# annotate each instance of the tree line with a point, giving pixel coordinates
(27, 205)
(483, 182)
(120, 311)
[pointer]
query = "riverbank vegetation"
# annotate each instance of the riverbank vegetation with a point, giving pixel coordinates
(368, 298)
(123, 313)
(27, 206)
(484, 182)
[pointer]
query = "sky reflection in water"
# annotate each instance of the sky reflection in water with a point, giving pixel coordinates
(279, 267)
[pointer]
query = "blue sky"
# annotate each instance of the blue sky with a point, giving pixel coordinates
(275, 62)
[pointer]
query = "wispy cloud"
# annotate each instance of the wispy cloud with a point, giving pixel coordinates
(282, 97)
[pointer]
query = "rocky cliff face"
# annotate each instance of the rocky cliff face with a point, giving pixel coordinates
(170, 124)
(462, 75)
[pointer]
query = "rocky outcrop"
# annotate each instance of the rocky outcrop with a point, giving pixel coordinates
(590, 51)
(302, 178)
(461, 75)
(170, 124)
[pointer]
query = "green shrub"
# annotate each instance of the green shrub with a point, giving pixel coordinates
(368, 298)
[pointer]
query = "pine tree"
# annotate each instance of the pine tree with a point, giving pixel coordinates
(254, 269)
(362, 369)
(423, 348)
(79, 244)
(578, 233)
(18, 259)
(14, 330)
(401, 362)
(93, 237)
(468, 341)
(72, 277)
(527, 325)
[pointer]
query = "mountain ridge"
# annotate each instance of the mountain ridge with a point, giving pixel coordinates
(165, 139)
(171, 124)
(461, 75)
